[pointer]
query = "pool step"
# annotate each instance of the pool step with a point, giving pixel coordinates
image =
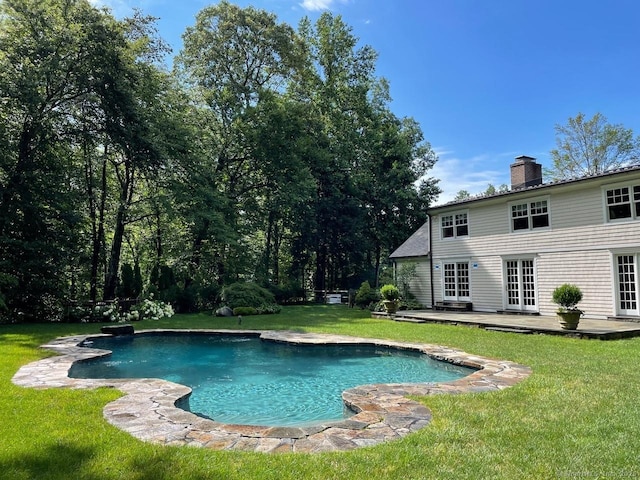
(117, 329)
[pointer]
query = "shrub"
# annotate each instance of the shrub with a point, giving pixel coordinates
(6, 281)
(208, 296)
(390, 292)
(274, 308)
(187, 299)
(245, 311)
(149, 309)
(130, 281)
(406, 273)
(567, 296)
(162, 283)
(289, 293)
(248, 294)
(365, 295)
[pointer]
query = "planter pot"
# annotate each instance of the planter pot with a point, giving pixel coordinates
(391, 306)
(569, 320)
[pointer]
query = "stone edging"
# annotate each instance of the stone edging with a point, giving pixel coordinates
(148, 409)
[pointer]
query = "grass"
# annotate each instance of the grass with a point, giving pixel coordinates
(577, 415)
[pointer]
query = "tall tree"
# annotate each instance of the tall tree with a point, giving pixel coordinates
(397, 188)
(81, 103)
(278, 139)
(335, 87)
(49, 51)
(462, 195)
(233, 59)
(368, 164)
(588, 147)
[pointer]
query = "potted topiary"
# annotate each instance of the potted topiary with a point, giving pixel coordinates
(567, 297)
(390, 298)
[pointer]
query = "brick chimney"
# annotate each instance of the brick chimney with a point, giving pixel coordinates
(525, 172)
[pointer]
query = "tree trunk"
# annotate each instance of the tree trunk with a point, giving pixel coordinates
(97, 225)
(196, 252)
(321, 268)
(17, 179)
(377, 269)
(277, 239)
(111, 282)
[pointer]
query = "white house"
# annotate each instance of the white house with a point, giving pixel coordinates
(508, 251)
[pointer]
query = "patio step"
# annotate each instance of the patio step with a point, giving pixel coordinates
(453, 306)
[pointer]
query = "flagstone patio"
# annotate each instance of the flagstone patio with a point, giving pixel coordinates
(609, 329)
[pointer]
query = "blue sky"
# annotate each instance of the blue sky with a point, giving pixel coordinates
(487, 80)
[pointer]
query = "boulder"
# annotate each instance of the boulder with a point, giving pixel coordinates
(224, 312)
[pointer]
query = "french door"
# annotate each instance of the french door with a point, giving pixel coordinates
(627, 284)
(456, 281)
(520, 276)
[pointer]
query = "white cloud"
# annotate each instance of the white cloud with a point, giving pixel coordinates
(317, 5)
(470, 174)
(124, 8)
(119, 8)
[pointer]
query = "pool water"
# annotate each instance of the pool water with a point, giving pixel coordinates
(245, 380)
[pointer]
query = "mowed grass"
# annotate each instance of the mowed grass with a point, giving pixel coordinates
(576, 416)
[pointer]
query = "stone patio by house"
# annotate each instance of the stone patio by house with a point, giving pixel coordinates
(383, 412)
(610, 329)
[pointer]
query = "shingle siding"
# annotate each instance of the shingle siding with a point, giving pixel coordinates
(487, 283)
(591, 270)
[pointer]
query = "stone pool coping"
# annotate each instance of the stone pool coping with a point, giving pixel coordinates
(383, 412)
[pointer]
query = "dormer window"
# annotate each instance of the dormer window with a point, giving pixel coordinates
(455, 225)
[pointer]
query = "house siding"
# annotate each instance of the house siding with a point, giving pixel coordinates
(591, 270)
(487, 283)
(578, 247)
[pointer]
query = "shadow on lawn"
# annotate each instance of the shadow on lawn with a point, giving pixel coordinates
(65, 462)
(53, 461)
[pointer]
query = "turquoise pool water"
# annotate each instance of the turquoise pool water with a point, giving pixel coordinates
(245, 380)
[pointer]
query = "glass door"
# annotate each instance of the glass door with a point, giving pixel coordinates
(520, 278)
(627, 284)
(456, 281)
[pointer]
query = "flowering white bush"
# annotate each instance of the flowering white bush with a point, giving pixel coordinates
(154, 309)
(105, 313)
(130, 316)
(111, 312)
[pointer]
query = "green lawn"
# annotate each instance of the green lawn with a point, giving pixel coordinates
(576, 416)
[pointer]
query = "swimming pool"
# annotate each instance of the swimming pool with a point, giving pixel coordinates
(242, 379)
(147, 408)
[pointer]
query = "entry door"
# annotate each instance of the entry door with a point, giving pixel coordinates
(521, 285)
(627, 283)
(456, 281)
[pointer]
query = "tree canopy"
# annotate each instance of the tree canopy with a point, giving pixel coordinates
(269, 153)
(592, 146)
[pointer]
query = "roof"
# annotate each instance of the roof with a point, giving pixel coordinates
(417, 245)
(475, 198)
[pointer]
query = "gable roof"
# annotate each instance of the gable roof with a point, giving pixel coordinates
(417, 245)
(542, 186)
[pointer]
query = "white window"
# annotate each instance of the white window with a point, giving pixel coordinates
(529, 215)
(623, 202)
(455, 225)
